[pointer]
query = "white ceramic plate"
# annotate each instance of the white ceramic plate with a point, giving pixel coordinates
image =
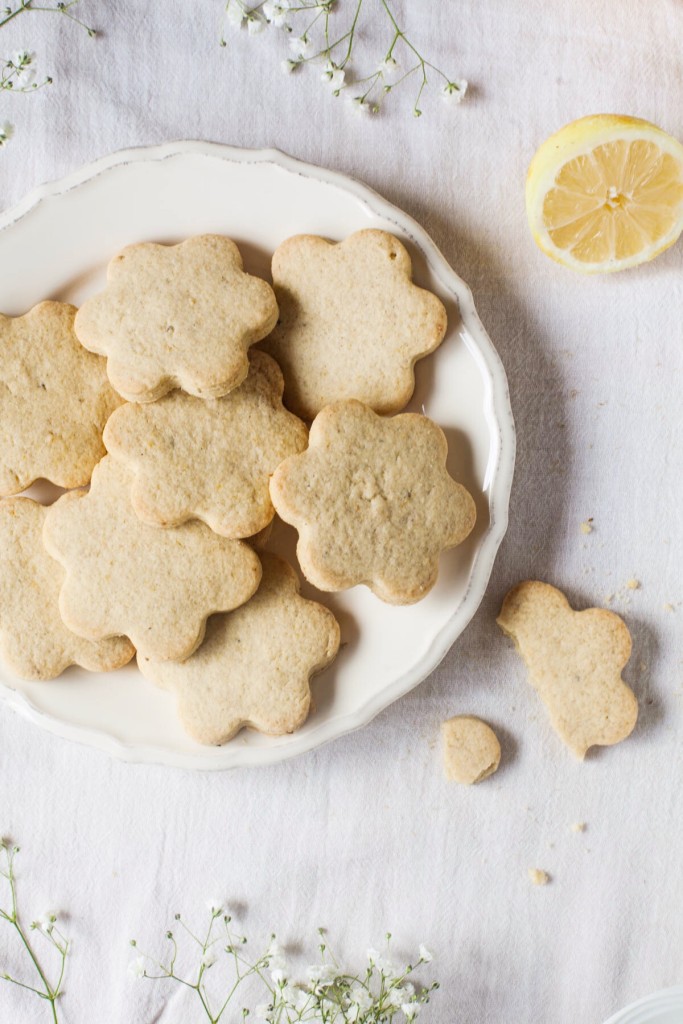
(57, 243)
(664, 1007)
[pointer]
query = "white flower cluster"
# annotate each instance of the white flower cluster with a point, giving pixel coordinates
(332, 996)
(333, 50)
(384, 990)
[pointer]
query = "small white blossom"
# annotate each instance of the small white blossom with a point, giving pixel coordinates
(23, 58)
(208, 958)
(22, 62)
(264, 1012)
(236, 13)
(255, 24)
(321, 975)
(279, 977)
(359, 995)
(6, 133)
(137, 967)
(373, 956)
(388, 67)
(276, 956)
(410, 1010)
(334, 77)
(300, 46)
(215, 906)
(288, 66)
(425, 955)
(360, 107)
(46, 921)
(277, 12)
(454, 92)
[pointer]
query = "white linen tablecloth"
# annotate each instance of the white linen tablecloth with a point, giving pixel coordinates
(365, 835)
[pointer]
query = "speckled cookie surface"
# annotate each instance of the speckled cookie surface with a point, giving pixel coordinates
(208, 459)
(373, 502)
(575, 661)
(254, 666)
(471, 751)
(124, 577)
(34, 642)
(352, 323)
(177, 316)
(54, 400)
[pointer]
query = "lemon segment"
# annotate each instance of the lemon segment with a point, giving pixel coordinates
(606, 193)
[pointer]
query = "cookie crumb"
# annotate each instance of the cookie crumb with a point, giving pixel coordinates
(538, 877)
(579, 826)
(587, 525)
(609, 598)
(633, 584)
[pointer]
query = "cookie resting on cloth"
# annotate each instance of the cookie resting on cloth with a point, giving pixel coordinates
(54, 400)
(157, 587)
(254, 666)
(373, 502)
(34, 642)
(574, 661)
(352, 324)
(177, 316)
(471, 750)
(191, 458)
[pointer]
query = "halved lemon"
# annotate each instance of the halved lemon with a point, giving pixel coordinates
(606, 193)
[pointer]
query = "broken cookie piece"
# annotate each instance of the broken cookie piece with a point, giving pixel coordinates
(574, 661)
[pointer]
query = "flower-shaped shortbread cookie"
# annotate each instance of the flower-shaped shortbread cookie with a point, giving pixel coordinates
(254, 666)
(34, 642)
(574, 661)
(177, 316)
(124, 577)
(54, 400)
(209, 460)
(352, 323)
(373, 502)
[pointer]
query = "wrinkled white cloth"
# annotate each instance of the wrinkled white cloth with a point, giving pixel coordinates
(365, 835)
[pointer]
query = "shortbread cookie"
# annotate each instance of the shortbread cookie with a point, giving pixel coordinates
(177, 316)
(352, 323)
(574, 661)
(209, 460)
(254, 666)
(34, 642)
(157, 587)
(54, 400)
(373, 502)
(471, 751)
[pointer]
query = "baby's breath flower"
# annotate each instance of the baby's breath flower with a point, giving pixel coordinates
(46, 921)
(276, 956)
(334, 77)
(410, 1010)
(373, 957)
(300, 46)
(288, 66)
(264, 1011)
(277, 12)
(278, 976)
(255, 24)
(215, 906)
(389, 66)
(321, 975)
(360, 996)
(137, 967)
(236, 13)
(208, 958)
(360, 106)
(425, 956)
(454, 92)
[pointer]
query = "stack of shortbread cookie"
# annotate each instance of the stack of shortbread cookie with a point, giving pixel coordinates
(189, 450)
